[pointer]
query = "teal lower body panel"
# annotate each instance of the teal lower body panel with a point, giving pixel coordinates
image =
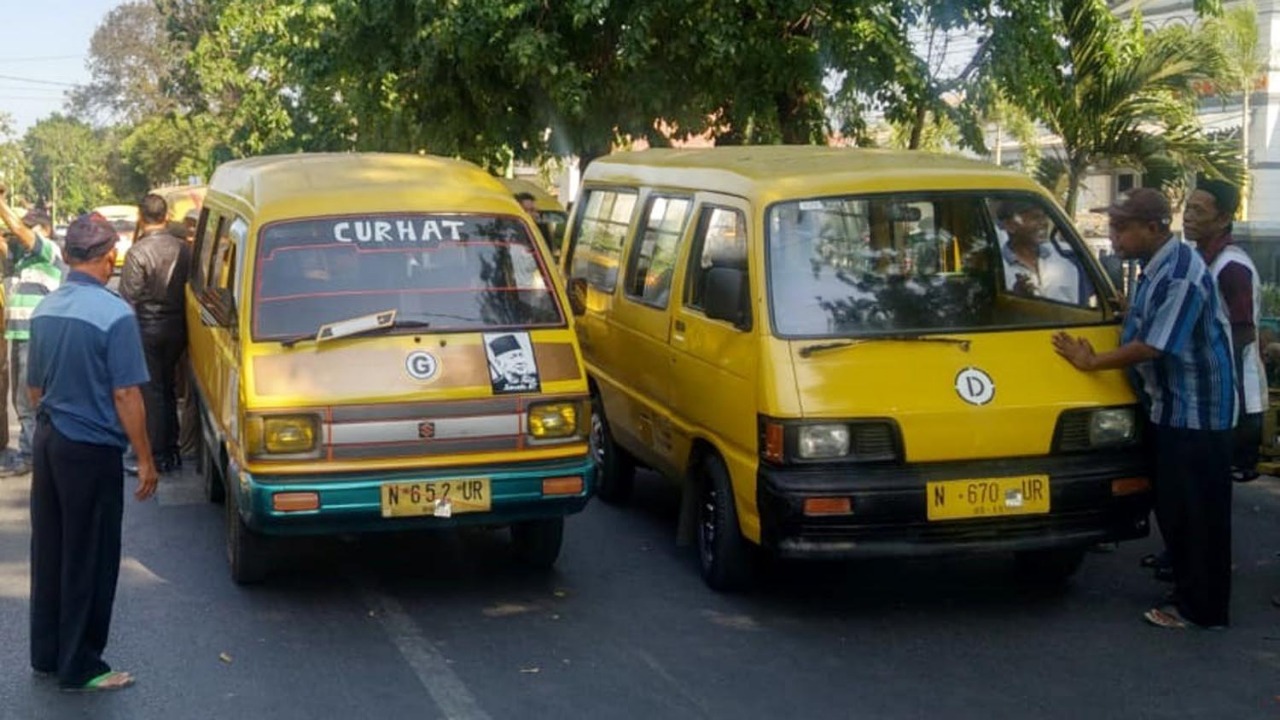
(352, 502)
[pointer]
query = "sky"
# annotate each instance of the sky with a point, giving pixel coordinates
(43, 53)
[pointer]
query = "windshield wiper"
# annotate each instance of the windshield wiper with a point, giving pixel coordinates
(809, 350)
(362, 325)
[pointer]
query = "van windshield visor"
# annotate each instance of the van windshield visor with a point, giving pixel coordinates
(928, 263)
(451, 273)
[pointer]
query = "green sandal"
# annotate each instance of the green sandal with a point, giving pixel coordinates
(113, 680)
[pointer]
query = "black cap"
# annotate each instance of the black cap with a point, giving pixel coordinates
(89, 237)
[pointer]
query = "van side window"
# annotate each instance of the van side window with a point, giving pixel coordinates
(721, 241)
(204, 251)
(653, 255)
(598, 237)
(238, 234)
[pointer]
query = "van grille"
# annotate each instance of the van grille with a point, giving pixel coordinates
(1073, 432)
(873, 441)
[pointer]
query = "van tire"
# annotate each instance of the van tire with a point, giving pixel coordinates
(211, 472)
(615, 468)
(537, 542)
(248, 552)
(1048, 567)
(725, 557)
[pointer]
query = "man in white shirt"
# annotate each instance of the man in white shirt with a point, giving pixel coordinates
(1032, 267)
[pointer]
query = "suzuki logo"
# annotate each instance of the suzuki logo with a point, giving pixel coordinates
(426, 430)
(975, 386)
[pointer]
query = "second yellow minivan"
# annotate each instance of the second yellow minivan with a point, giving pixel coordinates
(379, 343)
(847, 353)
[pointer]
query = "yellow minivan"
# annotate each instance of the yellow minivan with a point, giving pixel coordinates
(551, 215)
(379, 343)
(846, 353)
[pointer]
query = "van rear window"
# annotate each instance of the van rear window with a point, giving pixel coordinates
(866, 265)
(450, 272)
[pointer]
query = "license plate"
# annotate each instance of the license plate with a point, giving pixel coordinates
(995, 497)
(438, 498)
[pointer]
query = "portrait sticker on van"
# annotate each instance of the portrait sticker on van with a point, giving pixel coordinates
(512, 365)
(407, 230)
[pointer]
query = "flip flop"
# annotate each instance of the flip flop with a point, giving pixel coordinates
(112, 680)
(1150, 560)
(1167, 616)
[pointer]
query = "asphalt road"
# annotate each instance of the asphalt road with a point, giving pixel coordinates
(448, 625)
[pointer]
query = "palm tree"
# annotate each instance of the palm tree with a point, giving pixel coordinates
(1235, 35)
(1122, 94)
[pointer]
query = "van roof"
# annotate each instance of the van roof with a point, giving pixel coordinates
(310, 184)
(773, 172)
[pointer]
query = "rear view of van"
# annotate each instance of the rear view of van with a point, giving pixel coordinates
(847, 353)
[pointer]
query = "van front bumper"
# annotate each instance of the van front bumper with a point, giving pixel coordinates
(890, 518)
(352, 502)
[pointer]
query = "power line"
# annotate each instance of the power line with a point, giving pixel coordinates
(37, 82)
(44, 58)
(26, 88)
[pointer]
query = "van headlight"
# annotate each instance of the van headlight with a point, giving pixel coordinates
(554, 420)
(828, 440)
(1111, 426)
(282, 434)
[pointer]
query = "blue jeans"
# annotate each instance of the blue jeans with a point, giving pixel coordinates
(21, 400)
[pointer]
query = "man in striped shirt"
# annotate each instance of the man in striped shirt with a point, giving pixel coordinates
(1176, 343)
(37, 271)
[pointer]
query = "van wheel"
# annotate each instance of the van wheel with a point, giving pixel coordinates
(248, 552)
(1048, 567)
(615, 468)
(726, 559)
(211, 473)
(537, 542)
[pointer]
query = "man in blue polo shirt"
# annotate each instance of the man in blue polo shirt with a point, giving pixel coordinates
(86, 366)
(1177, 344)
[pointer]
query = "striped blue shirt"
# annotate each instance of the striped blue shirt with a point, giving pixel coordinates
(84, 345)
(1176, 310)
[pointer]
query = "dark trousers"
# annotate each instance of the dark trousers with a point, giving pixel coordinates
(77, 501)
(159, 395)
(1193, 507)
(18, 354)
(4, 393)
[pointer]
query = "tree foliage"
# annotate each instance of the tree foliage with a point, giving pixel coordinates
(67, 154)
(131, 62)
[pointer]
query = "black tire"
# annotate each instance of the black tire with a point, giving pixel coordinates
(1048, 567)
(211, 472)
(725, 557)
(537, 542)
(615, 468)
(248, 552)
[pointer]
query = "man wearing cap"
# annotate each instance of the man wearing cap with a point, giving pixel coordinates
(84, 377)
(37, 271)
(1207, 221)
(152, 281)
(1176, 343)
(514, 370)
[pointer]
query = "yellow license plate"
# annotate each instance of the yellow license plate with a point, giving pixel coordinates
(439, 498)
(995, 497)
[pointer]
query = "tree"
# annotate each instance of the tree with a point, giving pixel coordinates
(68, 164)
(1235, 35)
(1116, 92)
(13, 161)
(132, 65)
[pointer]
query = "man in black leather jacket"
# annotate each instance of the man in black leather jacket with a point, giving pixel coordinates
(152, 281)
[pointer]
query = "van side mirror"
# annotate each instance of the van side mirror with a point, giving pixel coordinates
(726, 296)
(578, 295)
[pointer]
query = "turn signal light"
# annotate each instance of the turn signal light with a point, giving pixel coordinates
(295, 501)
(562, 485)
(828, 506)
(1130, 486)
(773, 449)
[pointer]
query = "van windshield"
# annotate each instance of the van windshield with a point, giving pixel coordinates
(448, 273)
(920, 263)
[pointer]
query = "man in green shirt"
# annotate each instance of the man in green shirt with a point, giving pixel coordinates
(36, 271)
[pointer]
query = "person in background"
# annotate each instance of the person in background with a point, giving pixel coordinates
(1031, 265)
(1177, 343)
(37, 271)
(85, 368)
(188, 412)
(153, 281)
(1207, 221)
(528, 203)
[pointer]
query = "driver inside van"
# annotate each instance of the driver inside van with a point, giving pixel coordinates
(1032, 267)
